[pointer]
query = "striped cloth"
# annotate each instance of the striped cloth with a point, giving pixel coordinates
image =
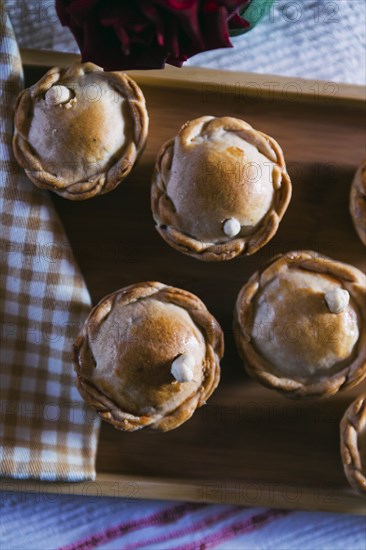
(45, 521)
(46, 431)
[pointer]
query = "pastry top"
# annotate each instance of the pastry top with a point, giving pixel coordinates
(353, 444)
(295, 328)
(220, 188)
(78, 130)
(148, 355)
(301, 324)
(358, 202)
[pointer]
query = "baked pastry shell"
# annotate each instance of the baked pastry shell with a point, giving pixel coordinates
(85, 363)
(105, 178)
(358, 202)
(163, 208)
(354, 464)
(257, 366)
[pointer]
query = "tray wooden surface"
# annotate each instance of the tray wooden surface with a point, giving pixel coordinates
(248, 445)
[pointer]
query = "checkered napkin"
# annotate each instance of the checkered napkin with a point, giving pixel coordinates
(46, 431)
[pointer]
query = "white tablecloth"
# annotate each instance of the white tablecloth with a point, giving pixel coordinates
(303, 38)
(323, 40)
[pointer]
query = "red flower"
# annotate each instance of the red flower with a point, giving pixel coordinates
(144, 34)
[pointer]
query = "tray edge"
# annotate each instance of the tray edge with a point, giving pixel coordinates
(108, 485)
(253, 85)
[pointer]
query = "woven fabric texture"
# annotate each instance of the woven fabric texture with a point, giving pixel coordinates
(46, 430)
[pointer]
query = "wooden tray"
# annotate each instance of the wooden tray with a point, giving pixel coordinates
(248, 445)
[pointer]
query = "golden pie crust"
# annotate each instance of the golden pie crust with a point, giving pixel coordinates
(353, 444)
(83, 144)
(219, 170)
(124, 354)
(288, 337)
(358, 202)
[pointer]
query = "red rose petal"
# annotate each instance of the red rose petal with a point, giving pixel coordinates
(147, 33)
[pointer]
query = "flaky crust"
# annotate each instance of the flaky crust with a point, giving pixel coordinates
(105, 168)
(358, 202)
(85, 362)
(349, 374)
(352, 424)
(165, 212)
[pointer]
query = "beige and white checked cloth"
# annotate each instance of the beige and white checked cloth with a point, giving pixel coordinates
(46, 431)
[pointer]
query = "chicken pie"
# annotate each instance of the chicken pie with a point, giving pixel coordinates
(79, 130)
(358, 202)
(220, 189)
(353, 444)
(300, 325)
(148, 355)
